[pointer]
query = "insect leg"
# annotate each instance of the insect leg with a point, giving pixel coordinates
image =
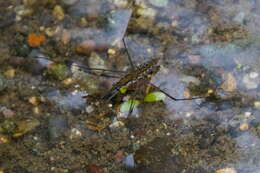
(129, 57)
(176, 99)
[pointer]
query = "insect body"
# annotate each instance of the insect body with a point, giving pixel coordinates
(144, 71)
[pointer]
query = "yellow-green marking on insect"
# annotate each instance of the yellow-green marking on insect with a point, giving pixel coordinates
(154, 97)
(123, 90)
(128, 105)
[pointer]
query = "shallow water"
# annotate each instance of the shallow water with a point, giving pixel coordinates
(206, 49)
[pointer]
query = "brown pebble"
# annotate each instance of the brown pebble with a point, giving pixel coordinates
(3, 139)
(33, 100)
(90, 45)
(36, 110)
(65, 37)
(94, 169)
(10, 73)
(230, 83)
(68, 81)
(119, 156)
(86, 46)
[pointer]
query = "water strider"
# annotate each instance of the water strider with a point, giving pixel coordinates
(144, 72)
(139, 77)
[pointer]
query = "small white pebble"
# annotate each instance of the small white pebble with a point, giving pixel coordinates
(116, 124)
(132, 136)
(110, 105)
(89, 109)
(42, 28)
(74, 92)
(188, 114)
(149, 50)
(76, 132)
(111, 51)
(18, 18)
(168, 134)
(248, 114)
(253, 75)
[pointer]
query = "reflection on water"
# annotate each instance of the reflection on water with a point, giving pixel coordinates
(208, 49)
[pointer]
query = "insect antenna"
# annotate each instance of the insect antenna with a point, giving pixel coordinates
(128, 56)
(91, 70)
(176, 99)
